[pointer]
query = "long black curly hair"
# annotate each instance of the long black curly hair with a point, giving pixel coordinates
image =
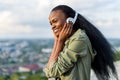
(103, 62)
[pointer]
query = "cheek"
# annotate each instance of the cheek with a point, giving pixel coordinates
(61, 25)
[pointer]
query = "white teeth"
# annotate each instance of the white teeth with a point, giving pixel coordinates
(55, 30)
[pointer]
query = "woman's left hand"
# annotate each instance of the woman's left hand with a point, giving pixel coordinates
(65, 32)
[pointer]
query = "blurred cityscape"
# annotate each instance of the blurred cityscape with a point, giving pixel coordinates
(29, 55)
(23, 55)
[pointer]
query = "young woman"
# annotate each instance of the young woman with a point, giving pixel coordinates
(78, 47)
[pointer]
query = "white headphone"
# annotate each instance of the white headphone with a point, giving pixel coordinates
(70, 19)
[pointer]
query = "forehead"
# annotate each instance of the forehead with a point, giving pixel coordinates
(56, 14)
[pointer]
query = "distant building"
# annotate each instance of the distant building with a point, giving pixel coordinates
(28, 68)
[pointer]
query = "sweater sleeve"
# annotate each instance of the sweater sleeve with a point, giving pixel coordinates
(67, 58)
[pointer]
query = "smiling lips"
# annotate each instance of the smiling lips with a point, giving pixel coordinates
(56, 30)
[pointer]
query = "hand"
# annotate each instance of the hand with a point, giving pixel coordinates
(55, 37)
(65, 32)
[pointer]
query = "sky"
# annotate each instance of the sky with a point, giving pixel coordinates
(29, 18)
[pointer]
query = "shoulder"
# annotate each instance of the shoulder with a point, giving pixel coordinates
(77, 43)
(79, 35)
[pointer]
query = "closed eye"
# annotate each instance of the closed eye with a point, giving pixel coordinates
(53, 21)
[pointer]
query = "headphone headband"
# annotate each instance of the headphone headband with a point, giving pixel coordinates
(75, 18)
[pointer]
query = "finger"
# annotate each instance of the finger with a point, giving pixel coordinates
(66, 30)
(63, 30)
(64, 27)
(69, 28)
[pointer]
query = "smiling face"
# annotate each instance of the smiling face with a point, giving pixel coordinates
(57, 20)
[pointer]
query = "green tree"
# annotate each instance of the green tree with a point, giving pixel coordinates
(2, 77)
(14, 77)
(36, 77)
(117, 56)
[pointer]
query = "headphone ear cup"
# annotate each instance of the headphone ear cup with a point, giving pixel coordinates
(70, 19)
